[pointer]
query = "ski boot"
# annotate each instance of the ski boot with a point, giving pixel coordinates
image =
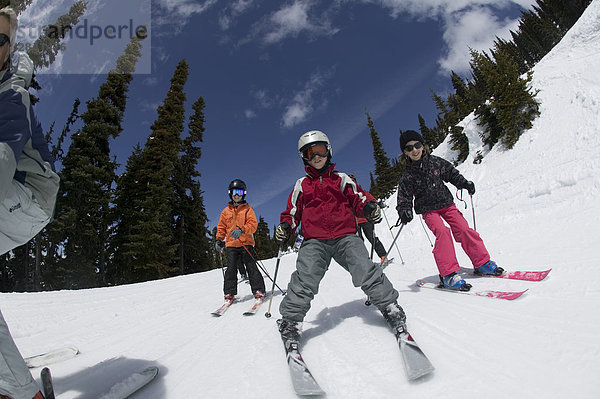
(229, 297)
(395, 317)
(290, 332)
(259, 295)
(489, 268)
(454, 282)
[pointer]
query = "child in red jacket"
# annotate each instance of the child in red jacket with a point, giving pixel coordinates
(325, 202)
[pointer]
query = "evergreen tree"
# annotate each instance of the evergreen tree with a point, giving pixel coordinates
(189, 212)
(265, 247)
(151, 243)
(44, 50)
(511, 107)
(128, 194)
(83, 216)
(386, 179)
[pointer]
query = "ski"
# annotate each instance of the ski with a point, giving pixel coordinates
(302, 380)
(130, 385)
(255, 306)
(384, 264)
(416, 364)
(521, 275)
(47, 386)
(508, 295)
(223, 308)
(51, 357)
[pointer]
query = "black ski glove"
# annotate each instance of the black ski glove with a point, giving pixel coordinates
(372, 212)
(282, 232)
(406, 215)
(470, 187)
(219, 245)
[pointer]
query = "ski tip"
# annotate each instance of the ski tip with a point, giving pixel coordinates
(516, 295)
(150, 371)
(419, 375)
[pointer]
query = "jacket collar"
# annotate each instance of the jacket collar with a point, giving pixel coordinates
(314, 173)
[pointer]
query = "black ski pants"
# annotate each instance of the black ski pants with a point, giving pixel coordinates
(367, 230)
(240, 254)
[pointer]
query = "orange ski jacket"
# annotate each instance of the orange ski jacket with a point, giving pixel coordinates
(232, 217)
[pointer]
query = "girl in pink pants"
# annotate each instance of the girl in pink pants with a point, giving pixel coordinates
(424, 180)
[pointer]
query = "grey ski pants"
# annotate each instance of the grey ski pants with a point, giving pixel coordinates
(15, 379)
(313, 261)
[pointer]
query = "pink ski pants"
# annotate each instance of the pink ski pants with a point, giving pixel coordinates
(443, 250)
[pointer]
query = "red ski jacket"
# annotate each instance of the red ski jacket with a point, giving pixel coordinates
(325, 204)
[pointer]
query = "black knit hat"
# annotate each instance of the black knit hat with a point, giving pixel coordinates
(409, 135)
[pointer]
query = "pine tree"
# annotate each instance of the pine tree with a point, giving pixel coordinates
(151, 244)
(44, 50)
(386, 179)
(265, 247)
(189, 212)
(83, 215)
(511, 107)
(128, 193)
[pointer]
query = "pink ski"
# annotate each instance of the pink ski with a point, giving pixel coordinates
(508, 295)
(529, 276)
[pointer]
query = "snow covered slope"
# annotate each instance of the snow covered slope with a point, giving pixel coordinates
(537, 206)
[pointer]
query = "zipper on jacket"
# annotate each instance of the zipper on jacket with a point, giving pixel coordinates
(321, 179)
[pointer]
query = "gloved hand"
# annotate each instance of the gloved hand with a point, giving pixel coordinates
(282, 232)
(219, 245)
(406, 215)
(372, 212)
(236, 233)
(470, 187)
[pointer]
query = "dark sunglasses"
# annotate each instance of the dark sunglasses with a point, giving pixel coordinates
(317, 149)
(409, 148)
(4, 39)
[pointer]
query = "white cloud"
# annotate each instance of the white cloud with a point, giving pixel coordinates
(466, 23)
(177, 13)
(476, 29)
(250, 114)
(303, 102)
(233, 11)
(294, 19)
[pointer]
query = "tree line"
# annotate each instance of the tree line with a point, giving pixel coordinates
(498, 92)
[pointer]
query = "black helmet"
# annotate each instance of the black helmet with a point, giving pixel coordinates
(239, 185)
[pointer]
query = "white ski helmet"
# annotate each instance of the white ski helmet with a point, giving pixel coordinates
(311, 137)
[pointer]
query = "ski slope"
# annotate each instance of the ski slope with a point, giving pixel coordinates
(537, 206)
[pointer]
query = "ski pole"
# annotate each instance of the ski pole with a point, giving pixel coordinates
(263, 268)
(397, 249)
(395, 238)
(372, 242)
(279, 255)
(473, 209)
(425, 230)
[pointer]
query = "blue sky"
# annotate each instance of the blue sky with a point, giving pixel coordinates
(269, 71)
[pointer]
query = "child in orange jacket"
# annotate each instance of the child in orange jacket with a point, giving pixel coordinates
(235, 231)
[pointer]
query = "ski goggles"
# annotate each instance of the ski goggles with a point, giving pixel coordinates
(238, 191)
(409, 148)
(319, 149)
(4, 39)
